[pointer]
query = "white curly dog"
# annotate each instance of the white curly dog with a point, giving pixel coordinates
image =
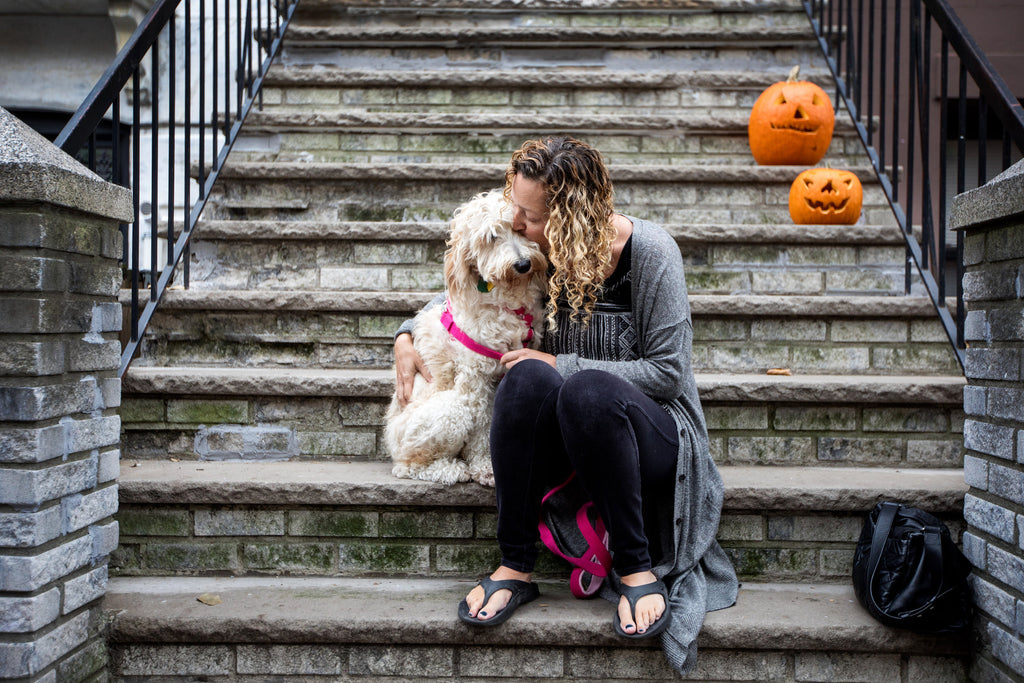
(495, 280)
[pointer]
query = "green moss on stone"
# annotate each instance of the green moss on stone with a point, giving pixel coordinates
(146, 522)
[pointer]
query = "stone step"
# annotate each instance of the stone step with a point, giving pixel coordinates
(355, 518)
(514, 47)
(577, 9)
(416, 192)
(194, 413)
(738, 333)
(408, 256)
(388, 629)
(710, 90)
(491, 137)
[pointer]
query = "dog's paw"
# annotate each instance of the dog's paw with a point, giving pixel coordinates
(402, 471)
(484, 477)
(445, 471)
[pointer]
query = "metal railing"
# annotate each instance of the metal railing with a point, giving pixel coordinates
(880, 53)
(200, 84)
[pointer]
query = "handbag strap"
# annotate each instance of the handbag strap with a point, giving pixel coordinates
(932, 555)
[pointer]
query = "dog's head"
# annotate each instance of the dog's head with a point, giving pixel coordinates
(485, 256)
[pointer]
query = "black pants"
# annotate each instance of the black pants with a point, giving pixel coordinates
(621, 443)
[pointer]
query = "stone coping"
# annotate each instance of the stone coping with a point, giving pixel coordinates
(430, 172)
(421, 611)
(799, 389)
(567, 79)
(1001, 197)
(753, 488)
(32, 169)
(730, 121)
(733, 305)
(692, 233)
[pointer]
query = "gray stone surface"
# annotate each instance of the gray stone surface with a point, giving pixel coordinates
(420, 612)
(362, 483)
(1001, 197)
(32, 169)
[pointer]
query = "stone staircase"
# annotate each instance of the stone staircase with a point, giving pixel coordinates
(253, 468)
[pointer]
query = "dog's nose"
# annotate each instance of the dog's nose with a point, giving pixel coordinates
(522, 266)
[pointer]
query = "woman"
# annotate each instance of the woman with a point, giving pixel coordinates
(611, 395)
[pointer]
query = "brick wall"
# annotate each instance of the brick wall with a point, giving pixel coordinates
(992, 219)
(59, 394)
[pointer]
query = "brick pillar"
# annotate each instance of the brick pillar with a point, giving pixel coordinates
(992, 218)
(59, 395)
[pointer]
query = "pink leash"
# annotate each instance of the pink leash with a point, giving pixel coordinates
(596, 560)
(455, 331)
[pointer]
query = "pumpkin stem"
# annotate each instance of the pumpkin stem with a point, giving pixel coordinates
(793, 74)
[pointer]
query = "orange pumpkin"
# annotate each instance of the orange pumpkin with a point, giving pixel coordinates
(825, 195)
(791, 123)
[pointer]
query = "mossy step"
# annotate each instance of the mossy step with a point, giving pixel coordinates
(492, 137)
(406, 629)
(597, 7)
(303, 483)
(621, 173)
(832, 389)
(437, 231)
(736, 193)
(316, 518)
(553, 36)
(425, 123)
(735, 333)
(736, 305)
(283, 76)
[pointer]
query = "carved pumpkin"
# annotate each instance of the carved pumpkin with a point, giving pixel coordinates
(791, 123)
(825, 195)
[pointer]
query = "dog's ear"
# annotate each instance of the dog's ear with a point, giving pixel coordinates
(457, 259)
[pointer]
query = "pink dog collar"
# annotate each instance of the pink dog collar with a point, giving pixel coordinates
(455, 331)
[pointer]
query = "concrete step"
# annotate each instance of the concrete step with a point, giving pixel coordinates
(737, 333)
(687, 137)
(405, 629)
(278, 413)
(578, 10)
(330, 518)
(512, 47)
(408, 256)
(709, 90)
(417, 192)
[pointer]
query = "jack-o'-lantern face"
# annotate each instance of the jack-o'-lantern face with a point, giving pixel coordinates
(791, 123)
(825, 195)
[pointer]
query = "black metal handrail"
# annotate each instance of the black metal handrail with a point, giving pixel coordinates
(233, 59)
(879, 52)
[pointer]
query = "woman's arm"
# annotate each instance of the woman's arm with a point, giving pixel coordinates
(407, 361)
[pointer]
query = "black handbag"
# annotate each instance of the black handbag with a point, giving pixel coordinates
(908, 573)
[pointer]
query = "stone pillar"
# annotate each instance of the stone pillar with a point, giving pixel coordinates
(992, 218)
(59, 394)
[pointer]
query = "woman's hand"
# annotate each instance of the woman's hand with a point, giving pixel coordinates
(407, 365)
(513, 357)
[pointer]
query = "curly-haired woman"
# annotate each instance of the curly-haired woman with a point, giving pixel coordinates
(610, 396)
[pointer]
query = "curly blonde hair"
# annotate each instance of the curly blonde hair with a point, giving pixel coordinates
(579, 227)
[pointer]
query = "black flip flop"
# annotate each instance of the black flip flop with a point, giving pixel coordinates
(522, 593)
(634, 593)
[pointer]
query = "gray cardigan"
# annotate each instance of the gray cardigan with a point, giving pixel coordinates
(699, 575)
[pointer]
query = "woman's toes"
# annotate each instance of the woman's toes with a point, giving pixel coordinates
(497, 603)
(625, 617)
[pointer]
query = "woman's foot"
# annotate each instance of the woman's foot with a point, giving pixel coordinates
(499, 600)
(649, 608)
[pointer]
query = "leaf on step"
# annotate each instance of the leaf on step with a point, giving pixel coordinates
(779, 371)
(209, 599)
(175, 459)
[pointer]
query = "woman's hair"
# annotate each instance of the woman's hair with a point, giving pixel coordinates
(579, 227)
